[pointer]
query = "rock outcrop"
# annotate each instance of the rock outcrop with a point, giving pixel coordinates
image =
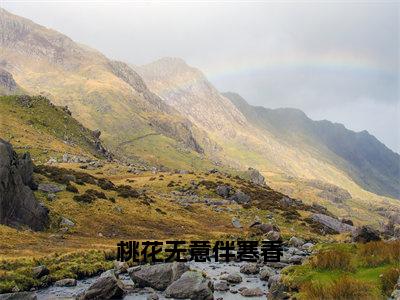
(332, 224)
(7, 83)
(18, 205)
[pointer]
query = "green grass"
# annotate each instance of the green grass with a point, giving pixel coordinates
(325, 272)
(18, 273)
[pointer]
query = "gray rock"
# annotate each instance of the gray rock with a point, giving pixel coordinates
(278, 291)
(396, 292)
(255, 222)
(51, 187)
(272, 279)
(240, 197)
(191, 285)
(66, 282)
(221, 285)
(51, 197)
(40, 271)
(296, 242)
(365, 234)
(266, 272)
(158, 276)
(332, 223)
(307, 246)
(256, 177)
(18, 296)
(252, 292)
(232, 278)
(236, 223)
(223, 191)
(66, 222)
(296, 259)
(17, 201)
(263, 228)
(120, 267)
(273, 236)
(250, 269)
(152, 297)
(107, 286)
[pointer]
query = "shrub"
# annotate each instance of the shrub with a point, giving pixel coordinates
(377, 253)
(71, 188)
(332, 259)
(126, 191)
(388, 280)
(343, 288)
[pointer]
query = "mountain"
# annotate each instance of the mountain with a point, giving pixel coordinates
(366, 160)
(101, 93)
(303, 163)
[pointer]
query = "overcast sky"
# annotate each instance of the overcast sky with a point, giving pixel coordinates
(334, 60)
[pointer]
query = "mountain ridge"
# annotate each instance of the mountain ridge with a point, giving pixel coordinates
(364, 162)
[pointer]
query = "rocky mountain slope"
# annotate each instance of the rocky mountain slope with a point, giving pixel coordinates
(366, 160)
(100, 93)
(46, 130)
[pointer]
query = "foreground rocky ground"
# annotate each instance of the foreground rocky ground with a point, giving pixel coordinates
(87, 205)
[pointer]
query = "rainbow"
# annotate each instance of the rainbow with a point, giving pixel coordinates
(331, 62)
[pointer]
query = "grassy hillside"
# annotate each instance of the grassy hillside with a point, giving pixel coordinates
(45, 130)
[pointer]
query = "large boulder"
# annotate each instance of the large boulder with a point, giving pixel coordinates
(18, 205)
(107, 286)
(332, 224)
(366, 234)
(191, 285)
(158, 276)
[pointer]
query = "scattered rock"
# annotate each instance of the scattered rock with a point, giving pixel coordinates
(273, 236)
(296, 242)
(240, 197)
(66, 282)
(66, 222)
(250, 269)
(256, 177)
(107, 286)
(50, 187)
(331, 223)
(365, 234)
(40, 271)
(266, 272)
(232, 278)
(152, 297)
(396, 293)
(221, 285)
(191, 285)
(18, 296)
(307, 246)
(278, 291)
(51, 197)
(236, 223)
(120, 267)
(223, 191)
(158, 276)
(252, 292)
